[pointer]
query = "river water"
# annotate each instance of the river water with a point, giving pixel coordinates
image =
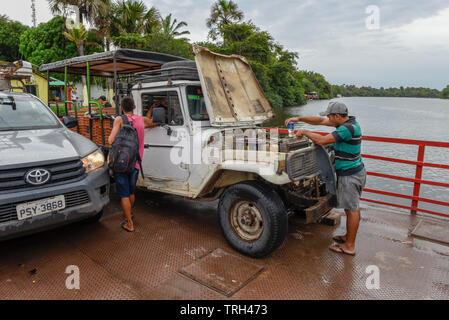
(407, 118)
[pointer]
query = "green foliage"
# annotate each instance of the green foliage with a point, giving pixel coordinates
(164, 43)
(46, 43)
(158, 42)
(10, 32)
(366, 91)
(274, 67)
(133, 17)
(222, 13)
(315, 82)
(171, 27)
(445, 93)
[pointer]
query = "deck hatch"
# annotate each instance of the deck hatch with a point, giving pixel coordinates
(222, 271)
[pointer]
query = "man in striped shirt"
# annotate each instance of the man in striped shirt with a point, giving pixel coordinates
(351, 173)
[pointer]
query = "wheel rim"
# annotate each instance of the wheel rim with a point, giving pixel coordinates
(246, 220)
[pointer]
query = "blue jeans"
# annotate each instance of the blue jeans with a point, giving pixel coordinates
(126, 183)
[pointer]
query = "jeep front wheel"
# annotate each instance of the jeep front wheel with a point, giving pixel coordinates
(252, 218)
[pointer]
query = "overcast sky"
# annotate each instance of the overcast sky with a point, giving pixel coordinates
(409, 47)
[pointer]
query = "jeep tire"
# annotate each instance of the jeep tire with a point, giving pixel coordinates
(253, 218)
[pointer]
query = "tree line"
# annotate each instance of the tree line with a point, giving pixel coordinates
(367, 91)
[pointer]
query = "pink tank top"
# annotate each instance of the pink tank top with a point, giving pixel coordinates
(139, 124)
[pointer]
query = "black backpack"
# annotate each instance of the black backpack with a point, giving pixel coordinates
(125, 150)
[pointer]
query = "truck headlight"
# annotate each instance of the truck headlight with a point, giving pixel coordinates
(93, 161)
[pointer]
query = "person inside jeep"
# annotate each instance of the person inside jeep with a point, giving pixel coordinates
(164, 104)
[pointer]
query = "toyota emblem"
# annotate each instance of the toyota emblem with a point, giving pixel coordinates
(37, 176)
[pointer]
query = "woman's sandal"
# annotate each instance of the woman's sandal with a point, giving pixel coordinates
(124, 223)
(340, 250)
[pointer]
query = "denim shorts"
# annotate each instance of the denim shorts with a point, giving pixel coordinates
(349, 190)
(126, 183)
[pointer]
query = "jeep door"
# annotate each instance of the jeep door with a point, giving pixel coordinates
(164, 145)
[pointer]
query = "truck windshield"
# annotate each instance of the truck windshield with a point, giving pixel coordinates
(23, 112)
(197, 106)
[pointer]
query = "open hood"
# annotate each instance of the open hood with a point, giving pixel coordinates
(232, 94)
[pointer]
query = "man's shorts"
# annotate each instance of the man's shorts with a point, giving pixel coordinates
(349, 190)
(126, 183)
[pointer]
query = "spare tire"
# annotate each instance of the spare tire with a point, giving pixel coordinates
(180, 70)
(176, 64)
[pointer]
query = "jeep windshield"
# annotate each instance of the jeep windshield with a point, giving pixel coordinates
(197, 106)
(25, 113)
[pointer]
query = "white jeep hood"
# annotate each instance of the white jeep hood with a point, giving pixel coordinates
(232, 94)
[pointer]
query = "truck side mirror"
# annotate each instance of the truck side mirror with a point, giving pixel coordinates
(69, 122)
(159, 115)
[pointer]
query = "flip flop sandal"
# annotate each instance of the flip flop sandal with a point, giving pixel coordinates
(338, 239)
(341, 250)
(124, 223)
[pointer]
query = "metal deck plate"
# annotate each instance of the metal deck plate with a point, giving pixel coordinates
(435, 231)
(222, 271)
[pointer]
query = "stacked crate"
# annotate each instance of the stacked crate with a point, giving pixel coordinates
(83, 124)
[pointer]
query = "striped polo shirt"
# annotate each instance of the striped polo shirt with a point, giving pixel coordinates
(347, 147)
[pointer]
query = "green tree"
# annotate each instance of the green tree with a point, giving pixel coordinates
(79, 35)
(46, 43)
(171, 28)
(10, 32)
(103, 21)
(133, 17)
(87, 8)
(273, 66)
(223, 13)
(445, 93)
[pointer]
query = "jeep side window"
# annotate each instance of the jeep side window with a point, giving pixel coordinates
(167, 100)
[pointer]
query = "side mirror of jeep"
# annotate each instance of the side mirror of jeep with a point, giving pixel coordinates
(69, 122)
(159, 115)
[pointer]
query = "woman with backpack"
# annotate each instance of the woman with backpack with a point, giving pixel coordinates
(125, 157)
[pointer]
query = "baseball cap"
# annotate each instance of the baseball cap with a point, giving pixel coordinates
(335, 108)
(102, 98)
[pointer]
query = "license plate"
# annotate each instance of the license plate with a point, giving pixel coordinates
(36, 208)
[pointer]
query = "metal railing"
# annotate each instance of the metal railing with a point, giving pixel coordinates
(417, 180)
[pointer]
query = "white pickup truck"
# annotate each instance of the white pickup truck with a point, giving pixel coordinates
(213, 146)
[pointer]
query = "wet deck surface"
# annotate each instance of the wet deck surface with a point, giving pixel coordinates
(172, 233)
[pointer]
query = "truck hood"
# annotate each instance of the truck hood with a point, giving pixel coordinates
(29, 146)
(232, 94)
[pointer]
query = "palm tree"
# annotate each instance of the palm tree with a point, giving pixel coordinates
(170, 28)
(79, 35)
(103, 22)
(133, 16)
(223, 13)
(4, 17)
(87, 8)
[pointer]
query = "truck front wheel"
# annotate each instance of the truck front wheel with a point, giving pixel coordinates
(253, 218)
